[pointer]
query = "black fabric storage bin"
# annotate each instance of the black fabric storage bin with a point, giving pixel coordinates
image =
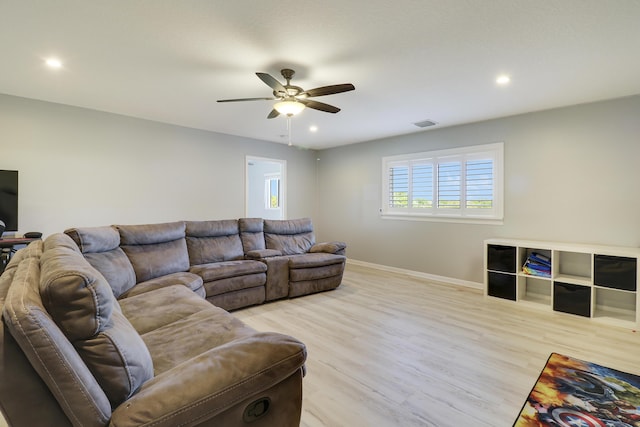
(501, 258)
(615, 272)
(502, 285)
(573, 299)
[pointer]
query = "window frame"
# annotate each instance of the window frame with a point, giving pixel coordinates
(462, 155)
(268, 194)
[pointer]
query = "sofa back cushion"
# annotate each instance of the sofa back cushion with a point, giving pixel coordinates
(213, 241)
(48, 350)
(290, 237)
(155, 249)
(252, 234)
(101, 247)
(80, 301)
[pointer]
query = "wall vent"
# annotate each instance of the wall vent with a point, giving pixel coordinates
(425, 123)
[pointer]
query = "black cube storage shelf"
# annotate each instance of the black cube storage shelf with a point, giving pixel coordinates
(590, 281)
(502, 285)
(572, 299)
(501, 258)
(615, 272)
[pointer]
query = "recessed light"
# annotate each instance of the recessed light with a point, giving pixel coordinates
(53, 63)
(503, 79)
(313, 128)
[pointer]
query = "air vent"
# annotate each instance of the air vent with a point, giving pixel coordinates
(425, 123)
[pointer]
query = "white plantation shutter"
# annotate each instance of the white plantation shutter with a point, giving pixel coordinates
(422, 185)
(449, 185)
(463, 183)
(479, 184)
(398, 186)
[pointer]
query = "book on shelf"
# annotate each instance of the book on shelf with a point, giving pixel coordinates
(539, 273)
(537, 265)
(540, 258)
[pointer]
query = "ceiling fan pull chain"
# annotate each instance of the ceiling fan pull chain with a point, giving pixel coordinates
(289, 128)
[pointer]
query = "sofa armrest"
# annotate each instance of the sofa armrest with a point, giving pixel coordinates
(337, 248)
(216, 380)
(263, 253)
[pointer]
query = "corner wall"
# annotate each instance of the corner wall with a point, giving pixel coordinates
(81, 167)
(571, 174)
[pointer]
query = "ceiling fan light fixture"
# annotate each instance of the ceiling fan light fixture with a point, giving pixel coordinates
(289, 107)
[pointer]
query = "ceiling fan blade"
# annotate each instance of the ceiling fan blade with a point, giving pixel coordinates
(272, 82)
(273, 114)
(246, 99)
(319, 106)
(330, 90)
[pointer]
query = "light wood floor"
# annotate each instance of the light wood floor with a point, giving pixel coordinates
(392, 350)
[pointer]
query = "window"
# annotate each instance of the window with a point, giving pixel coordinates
(272, 192)
(457, 184)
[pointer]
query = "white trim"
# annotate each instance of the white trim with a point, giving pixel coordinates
(462, 155)
(419, 274)
(442, 218)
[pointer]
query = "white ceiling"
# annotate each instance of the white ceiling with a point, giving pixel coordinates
(410, 60)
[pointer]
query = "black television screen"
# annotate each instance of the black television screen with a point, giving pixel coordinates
(9, 199)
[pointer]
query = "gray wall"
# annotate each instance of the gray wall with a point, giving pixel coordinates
(571, 174)
(81, 167)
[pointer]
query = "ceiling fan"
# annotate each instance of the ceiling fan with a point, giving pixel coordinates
(293, 99)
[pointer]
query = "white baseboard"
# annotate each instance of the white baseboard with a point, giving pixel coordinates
(419, 274)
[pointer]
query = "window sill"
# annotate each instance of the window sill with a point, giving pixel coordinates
(441, 218)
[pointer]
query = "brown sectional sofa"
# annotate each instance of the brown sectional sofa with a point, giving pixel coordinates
(126, 325)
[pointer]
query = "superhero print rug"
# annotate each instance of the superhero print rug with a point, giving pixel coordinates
(574, 393)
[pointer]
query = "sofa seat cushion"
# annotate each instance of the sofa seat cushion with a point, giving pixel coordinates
(186, 338)
(226, 269)
(188, 280)
(153, 310)
(318, 259)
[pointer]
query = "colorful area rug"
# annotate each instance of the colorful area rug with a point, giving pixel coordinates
(574, 393)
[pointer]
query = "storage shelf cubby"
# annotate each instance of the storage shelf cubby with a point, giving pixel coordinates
(574, 265)
(535, 290)
(614, 304)
(599, 282)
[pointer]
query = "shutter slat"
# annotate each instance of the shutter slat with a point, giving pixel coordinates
(479, 184)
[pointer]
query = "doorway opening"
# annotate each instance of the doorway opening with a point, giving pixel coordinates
(265, 188)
